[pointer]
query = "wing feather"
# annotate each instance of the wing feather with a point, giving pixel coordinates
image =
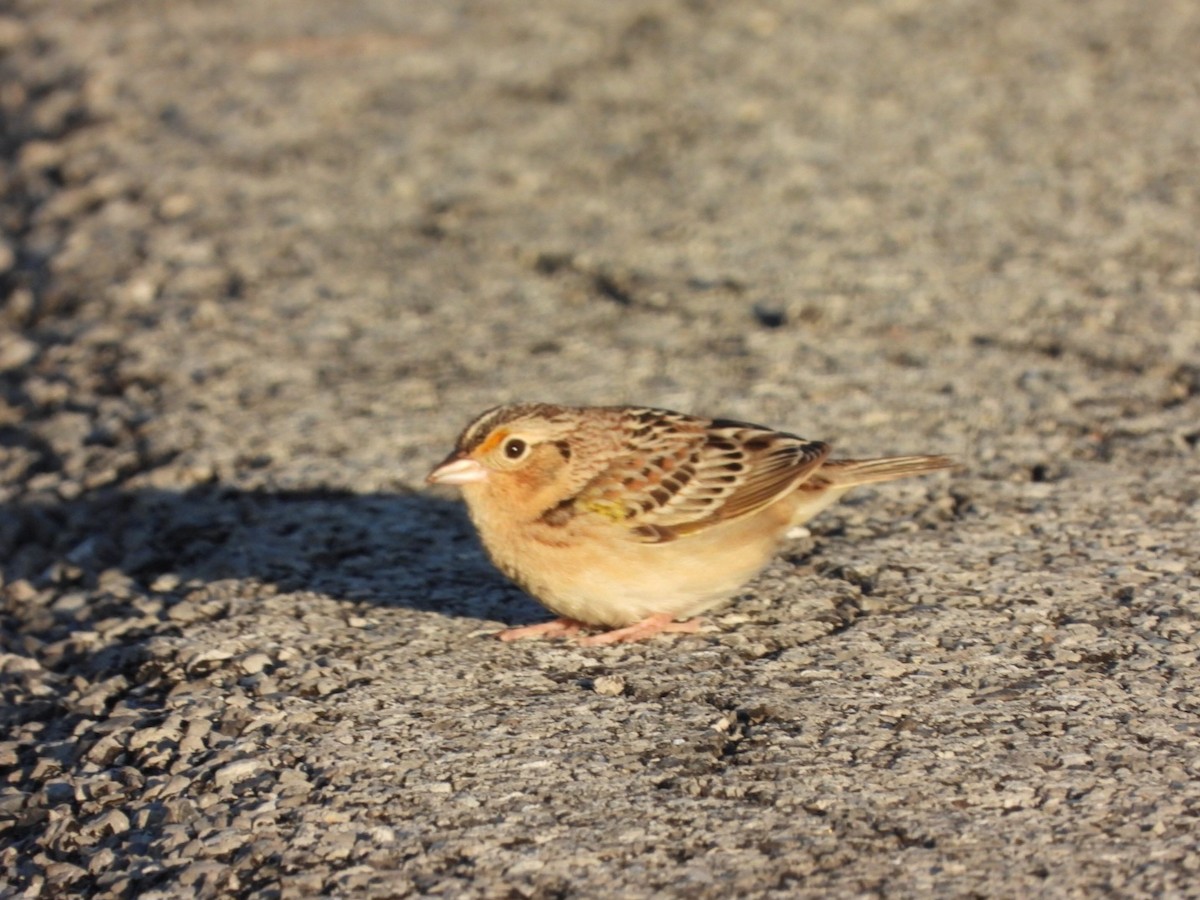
(680, 474)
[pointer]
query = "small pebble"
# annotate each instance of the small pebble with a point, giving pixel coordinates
(608, 685)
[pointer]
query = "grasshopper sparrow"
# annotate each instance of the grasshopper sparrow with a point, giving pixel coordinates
(638, 519)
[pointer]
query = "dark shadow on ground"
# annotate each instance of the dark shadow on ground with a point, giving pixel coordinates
(391, 550)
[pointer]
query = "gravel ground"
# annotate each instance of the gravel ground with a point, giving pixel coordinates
(261, 261)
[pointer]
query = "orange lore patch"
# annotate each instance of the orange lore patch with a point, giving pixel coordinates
(492, 442)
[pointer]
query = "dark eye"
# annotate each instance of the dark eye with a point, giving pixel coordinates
(515, 448)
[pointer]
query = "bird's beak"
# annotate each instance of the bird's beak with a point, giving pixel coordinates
(457, 469)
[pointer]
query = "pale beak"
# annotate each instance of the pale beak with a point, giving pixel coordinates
(457, 470)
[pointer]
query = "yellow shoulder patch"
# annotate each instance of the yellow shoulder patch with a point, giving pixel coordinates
(609, 509)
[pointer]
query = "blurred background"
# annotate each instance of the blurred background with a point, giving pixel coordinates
(321, 237)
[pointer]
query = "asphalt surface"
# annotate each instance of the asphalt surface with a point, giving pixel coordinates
(261, 262)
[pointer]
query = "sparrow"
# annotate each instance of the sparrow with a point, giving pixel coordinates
(634, 519)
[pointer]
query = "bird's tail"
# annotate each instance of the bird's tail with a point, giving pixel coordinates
(850, 472)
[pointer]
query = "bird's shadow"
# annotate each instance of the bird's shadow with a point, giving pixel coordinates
(402, 549)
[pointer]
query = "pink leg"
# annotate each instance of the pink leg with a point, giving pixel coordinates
(661, 624)
(555, 628)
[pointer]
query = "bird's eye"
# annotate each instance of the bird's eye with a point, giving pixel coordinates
(514, 448)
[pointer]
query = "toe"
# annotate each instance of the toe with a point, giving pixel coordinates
(554, 628)
(660, 624)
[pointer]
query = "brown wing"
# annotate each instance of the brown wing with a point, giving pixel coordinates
(681, 474)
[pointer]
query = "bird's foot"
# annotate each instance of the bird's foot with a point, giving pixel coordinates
(555, 628)
(661, 624)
